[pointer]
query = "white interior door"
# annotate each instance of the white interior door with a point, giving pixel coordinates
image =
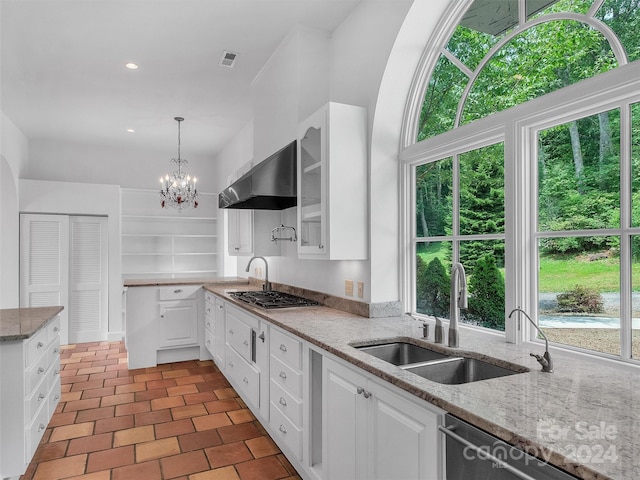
(88, 279)
(63, 261)
(44, 261)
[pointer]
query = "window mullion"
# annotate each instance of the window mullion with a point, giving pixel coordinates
(626, 286)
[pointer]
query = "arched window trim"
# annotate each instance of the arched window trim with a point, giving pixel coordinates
(520, 125)
(612, 38)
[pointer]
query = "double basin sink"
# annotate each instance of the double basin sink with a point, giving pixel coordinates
(436, 366)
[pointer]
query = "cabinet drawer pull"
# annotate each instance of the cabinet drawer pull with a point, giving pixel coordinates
(40, 345)
(230, 332)
(220, 307)
(41, 427)
(231, 364)
(245, 380)
(208, 324)
(56, 398)
(282, 429)
(41, 397)
(366, 394)
(40, 370)
(56, 329)
(55, 372)
(283, 347)
(246, 343)
(209, 298)
(177, 290)
(359, 390)
(208, 342)
(283, 375)
(208, 310)
(56, 350)
(283, 402)
(321, 246)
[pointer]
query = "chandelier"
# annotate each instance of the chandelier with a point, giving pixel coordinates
(179, 189)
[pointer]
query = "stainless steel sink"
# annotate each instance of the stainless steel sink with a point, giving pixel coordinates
(457, 370)
(402, 353)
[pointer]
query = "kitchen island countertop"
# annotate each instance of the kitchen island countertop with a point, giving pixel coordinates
(22, 323)
(582, 418)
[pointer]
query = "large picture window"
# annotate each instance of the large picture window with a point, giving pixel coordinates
(543, 214)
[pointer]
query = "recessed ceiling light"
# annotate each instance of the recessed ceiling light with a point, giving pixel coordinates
(228, 59)
(130, 130)
(131, 66)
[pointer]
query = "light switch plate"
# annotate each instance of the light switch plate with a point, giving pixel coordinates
(360, 289)
(348, 287)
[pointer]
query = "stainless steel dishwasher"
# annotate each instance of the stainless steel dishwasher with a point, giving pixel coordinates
(473, 454)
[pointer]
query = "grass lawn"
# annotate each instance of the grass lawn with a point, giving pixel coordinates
(562, 273)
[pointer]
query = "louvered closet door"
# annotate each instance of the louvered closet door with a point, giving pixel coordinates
(44, 264)
(63, 261)
(88, 305)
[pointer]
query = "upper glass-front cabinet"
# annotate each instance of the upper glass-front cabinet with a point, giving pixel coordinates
(311, 186)
(332, 184)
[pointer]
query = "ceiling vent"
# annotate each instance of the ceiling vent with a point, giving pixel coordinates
(228, 59)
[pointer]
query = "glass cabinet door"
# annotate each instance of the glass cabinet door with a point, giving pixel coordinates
(311, 184)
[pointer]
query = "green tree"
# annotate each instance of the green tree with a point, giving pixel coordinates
(486, 294)
(432, 288)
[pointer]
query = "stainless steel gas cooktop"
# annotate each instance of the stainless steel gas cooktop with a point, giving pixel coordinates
(272, 299)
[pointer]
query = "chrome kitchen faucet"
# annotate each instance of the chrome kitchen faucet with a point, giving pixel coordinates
(544, 360)
(267, 286)
(458, 300)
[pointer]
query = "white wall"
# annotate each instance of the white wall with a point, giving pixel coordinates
(40, 196)
(13, 158)
(309, 69)
(109, 164)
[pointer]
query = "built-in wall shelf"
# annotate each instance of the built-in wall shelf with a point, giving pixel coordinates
(163, 243)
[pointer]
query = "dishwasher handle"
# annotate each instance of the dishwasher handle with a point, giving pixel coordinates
(483, 454)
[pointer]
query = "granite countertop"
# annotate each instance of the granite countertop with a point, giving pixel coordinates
(582, 418)
(155, 282)
(22, 323)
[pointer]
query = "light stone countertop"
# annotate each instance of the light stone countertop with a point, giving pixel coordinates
(583, 418)
(158, 282)
(22, 323)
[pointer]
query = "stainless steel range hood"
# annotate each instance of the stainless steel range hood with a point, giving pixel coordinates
(270, 185)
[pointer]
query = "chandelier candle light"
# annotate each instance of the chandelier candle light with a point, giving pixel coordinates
(179, 189)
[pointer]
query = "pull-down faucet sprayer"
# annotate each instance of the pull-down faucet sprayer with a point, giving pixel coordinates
(458, 300)
(267, 286)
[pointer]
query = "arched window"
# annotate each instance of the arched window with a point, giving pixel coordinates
(524, 168)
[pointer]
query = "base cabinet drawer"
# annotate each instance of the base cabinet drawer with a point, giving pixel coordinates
(35, 431)
(286, 431)
(287, 403)
(287, 377)
(245, 376)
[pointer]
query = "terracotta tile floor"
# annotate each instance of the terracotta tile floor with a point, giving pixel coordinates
(178, 421)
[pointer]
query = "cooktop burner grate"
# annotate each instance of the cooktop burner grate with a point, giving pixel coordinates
(272, 299)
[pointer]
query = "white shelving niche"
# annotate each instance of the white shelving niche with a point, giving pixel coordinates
(165, 243)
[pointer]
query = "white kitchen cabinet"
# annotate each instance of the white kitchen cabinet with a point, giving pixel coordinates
(162, 243)
(29, 394)
(178, 323)
(247, 357)
(214, 327)
(371, 432)
(332, 184)
(286, 390)
(249, 232)
(163, 325)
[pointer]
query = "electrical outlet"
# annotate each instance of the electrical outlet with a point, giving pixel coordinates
(348, 288)
(360, 289)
